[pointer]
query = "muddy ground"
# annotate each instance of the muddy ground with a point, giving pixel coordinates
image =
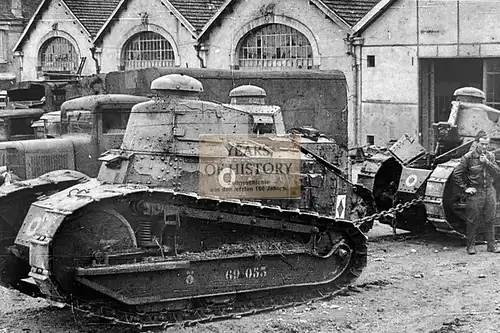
(423, 284)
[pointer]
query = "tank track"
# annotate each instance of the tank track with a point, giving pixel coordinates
(226, 211)
(201, 315)
(436, 204)
(109, 313)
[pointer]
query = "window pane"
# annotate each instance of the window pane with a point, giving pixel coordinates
(148, 49)
(278, 46)
(58, 55)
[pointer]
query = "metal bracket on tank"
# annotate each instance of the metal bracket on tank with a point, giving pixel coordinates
(407, 149)
(113, 157)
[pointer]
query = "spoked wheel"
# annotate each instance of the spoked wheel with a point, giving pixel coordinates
(78, 241)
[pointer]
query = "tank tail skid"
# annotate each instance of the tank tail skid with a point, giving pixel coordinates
(209, 250)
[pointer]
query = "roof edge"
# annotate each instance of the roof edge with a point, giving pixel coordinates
(214, 18)
(180, 17)
(110, 18)
(28, 26)
(372, 15)
(332, 15)
(318, 3)
(30, 23)
(76, 18)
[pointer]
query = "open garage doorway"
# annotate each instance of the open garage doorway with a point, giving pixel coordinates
(438, 79)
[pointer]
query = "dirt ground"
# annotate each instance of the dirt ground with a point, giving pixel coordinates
(424, 284)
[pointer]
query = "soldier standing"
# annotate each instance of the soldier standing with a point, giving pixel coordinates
(474, 175)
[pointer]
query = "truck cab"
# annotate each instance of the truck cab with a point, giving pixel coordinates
(89, 126)
(15, 124)
(48, 126)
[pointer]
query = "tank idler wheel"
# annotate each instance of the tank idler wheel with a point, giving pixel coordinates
(97, 230)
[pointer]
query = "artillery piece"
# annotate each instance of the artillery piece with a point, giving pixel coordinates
(153, 236)
(409, 171)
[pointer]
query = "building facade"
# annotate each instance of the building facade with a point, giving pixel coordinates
(67, 38)
(414, 54)
(14, 14)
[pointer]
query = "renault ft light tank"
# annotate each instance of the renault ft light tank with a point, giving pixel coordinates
(140, 239)
(410, 172)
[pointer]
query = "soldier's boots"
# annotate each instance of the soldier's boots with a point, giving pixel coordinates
(471, 242)
(491, 247)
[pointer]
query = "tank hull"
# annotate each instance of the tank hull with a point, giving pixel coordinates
(210, 249)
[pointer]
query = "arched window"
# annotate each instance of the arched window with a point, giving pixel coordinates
(275, 46)
(147, 49)
(57, 54)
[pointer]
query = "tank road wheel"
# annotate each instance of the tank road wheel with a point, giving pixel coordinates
(12, 269)
(79, 240)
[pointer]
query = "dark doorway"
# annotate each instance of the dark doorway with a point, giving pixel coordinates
(438, 79)
(451, 74)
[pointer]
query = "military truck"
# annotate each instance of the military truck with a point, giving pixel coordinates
(48, 126)
(89, 126)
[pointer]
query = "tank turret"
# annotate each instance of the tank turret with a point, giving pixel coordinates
(248, 94)
(162, 141)
(176, 84)
(469, 94)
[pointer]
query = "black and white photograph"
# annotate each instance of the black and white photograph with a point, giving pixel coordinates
(234, 166)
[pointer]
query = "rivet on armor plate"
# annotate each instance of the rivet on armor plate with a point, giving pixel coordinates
(142, 157)
(164, 179)
(147, 138)
(159, 177)
(162, 169)
(168, 171)
(171, 163)
(152, 157)
(175, 159)
(149, 182)
(163, 158)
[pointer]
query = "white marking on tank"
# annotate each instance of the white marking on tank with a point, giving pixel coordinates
(33, 226)
(340, 206)
(411, 180)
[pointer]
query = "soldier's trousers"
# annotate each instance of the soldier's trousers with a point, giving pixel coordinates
(481, 206)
